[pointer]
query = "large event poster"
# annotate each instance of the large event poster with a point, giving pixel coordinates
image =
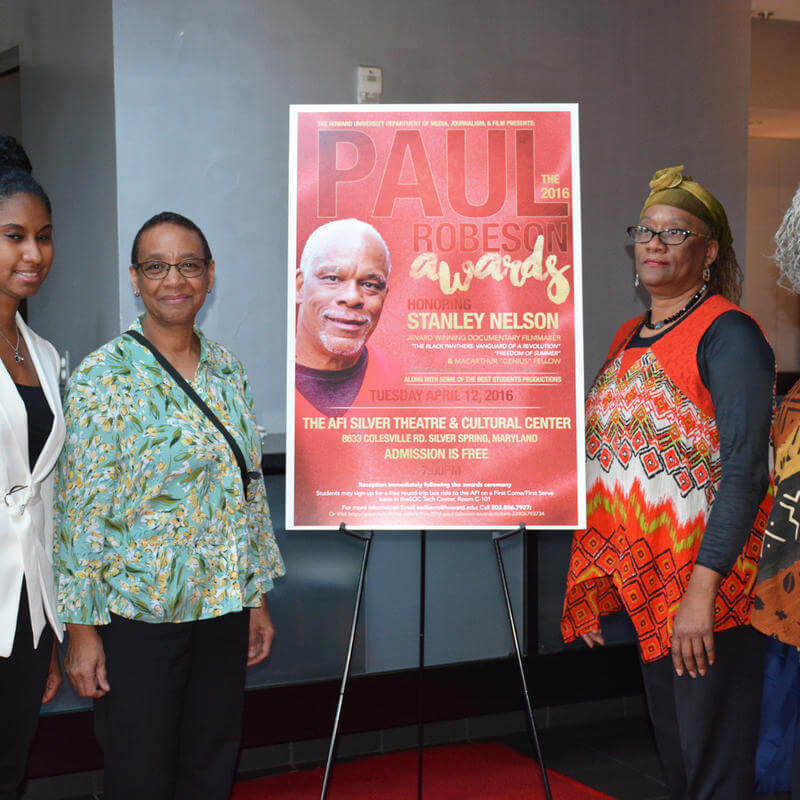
(434, 320)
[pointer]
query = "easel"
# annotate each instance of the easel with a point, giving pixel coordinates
(497, 538)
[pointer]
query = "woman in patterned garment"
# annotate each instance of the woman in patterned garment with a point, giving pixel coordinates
(163, 561)
(776, 607)
(677, 443)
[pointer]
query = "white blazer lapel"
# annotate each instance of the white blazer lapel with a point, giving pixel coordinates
(46, 368)
(14, 433)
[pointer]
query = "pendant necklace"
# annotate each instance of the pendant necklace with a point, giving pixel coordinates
(17, 357)
(677, 315)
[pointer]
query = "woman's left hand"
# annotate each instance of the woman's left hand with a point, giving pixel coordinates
(261, 634)
(693, 629)
(54, 679)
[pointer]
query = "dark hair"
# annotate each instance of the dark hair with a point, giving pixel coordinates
(169, 218)
(17, 181)
(15, 173)
(13, 155)
(727, 276)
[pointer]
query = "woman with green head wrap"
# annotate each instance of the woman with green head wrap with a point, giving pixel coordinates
(670, 187)
(677, 476)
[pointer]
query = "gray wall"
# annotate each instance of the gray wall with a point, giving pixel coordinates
(10, 96)
(203, 89)
(194, 117)
(202, 96)
(67, 90)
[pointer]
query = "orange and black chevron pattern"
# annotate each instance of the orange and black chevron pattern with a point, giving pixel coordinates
(652, 472)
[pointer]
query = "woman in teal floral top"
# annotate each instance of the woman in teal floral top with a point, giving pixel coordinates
(162, 563)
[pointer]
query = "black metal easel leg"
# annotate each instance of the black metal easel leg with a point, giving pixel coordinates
(497, 537)
(421, 667)
(367, 539)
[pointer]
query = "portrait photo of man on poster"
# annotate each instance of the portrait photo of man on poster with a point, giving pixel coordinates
(342, 283)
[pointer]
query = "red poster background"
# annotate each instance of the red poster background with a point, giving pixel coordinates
(474, 418)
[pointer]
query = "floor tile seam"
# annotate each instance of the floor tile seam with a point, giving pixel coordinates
(626, 764)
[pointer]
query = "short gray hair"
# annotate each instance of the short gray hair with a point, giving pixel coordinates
(787, 247)
(317, 243)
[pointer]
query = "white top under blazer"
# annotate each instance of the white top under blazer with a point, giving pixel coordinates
(26, 499)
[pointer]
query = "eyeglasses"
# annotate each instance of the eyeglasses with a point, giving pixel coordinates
(669, 236)
(158, 270)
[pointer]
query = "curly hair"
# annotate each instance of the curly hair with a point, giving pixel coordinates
(787, 247)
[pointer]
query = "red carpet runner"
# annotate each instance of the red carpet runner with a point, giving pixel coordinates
(461, 772)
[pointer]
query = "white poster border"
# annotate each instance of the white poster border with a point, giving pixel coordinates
(577, 266)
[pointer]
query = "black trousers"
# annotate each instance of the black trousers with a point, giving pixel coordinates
(707, 727)
(171, 724)
(22, 680)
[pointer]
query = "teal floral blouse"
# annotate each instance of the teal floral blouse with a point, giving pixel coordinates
(151, 519)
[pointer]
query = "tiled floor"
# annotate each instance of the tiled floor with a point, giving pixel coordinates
(617, 757)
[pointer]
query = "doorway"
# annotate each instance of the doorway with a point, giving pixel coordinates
(773, 175)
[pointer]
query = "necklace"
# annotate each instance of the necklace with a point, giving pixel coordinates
(651, 326)
(17, 357)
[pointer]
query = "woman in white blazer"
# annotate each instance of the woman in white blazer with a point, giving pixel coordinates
(31, 435)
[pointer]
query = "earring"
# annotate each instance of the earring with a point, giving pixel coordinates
(706, 274)
(209, 291)
(636, 280)
(136, 294)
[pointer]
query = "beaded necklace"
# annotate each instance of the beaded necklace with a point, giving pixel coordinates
(656, 326)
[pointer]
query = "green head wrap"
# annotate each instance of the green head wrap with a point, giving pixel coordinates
(670, 187)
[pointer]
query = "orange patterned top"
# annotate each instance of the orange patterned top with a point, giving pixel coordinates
(652, 471)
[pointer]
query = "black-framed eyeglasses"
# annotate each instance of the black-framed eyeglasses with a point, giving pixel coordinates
(669, 236)
(158, 270)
